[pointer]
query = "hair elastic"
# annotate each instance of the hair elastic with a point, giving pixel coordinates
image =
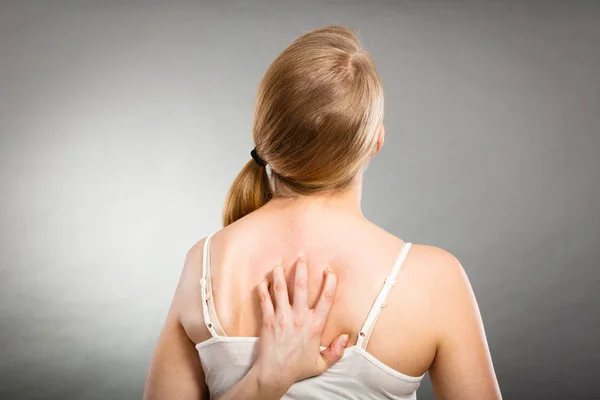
(256, 158)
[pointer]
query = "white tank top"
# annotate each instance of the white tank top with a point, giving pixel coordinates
(358, 375)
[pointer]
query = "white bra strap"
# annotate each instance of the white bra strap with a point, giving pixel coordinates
(365, 333)
(204, 290)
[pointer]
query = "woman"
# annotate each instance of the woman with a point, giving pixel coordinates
(406, 308)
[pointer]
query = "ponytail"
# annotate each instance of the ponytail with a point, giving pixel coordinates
(249, 192)
(317, 117)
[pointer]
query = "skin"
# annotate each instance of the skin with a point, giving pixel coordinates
(290, 337)
(431, 321)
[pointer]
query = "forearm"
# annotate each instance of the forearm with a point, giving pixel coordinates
(253, 387)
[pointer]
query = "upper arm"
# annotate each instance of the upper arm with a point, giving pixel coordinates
(175, 371)
(462, 368)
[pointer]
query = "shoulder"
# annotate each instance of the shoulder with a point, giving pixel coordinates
(194, 258)
(194, 253)
(450, 295)
(187, 294)
(441, 273)
(434, 262)
(190, 273)
(192, 263)
(427, 263)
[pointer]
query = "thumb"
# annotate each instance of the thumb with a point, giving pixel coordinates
(334, 352)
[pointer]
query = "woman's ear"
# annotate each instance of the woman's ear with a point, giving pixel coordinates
(380, 138)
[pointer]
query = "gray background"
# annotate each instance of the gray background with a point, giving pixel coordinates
(123, 124)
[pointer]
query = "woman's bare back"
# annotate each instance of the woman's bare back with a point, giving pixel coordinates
(361, 254)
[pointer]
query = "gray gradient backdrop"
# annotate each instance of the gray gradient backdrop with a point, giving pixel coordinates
(123, 124)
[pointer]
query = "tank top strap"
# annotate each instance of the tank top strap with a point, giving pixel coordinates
(208, 307)
(380, 302)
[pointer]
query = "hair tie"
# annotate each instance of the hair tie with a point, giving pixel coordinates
(256, 158)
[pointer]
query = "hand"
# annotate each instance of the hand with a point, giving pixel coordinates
(290, 336)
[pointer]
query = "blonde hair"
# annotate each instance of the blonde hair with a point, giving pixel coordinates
(316, 118)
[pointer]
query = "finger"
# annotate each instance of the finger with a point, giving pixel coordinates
(334, 352)
(282, 299)
(266, 303)
(327, 295)
(300, 284)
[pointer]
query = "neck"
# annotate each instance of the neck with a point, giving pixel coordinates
(346, 201)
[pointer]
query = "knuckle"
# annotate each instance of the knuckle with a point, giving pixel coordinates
(262, 298)
(298, 321)
(282, 321)
(268, 323)
(301, 283)
(329, 295)
(316, 329)
(279, 285)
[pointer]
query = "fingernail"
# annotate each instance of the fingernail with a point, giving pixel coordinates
(328, 269)
(301, 256)
(344, 339)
